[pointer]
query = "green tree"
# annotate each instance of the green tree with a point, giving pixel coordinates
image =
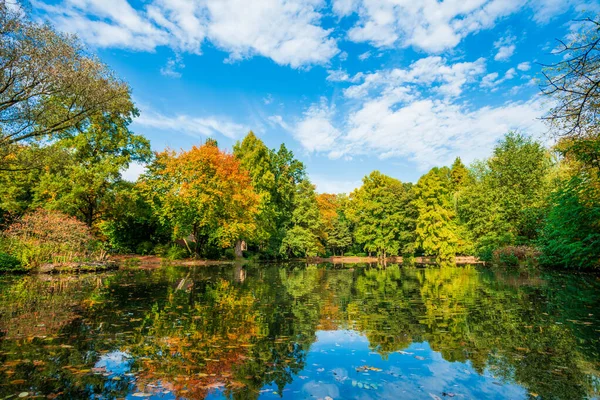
(519, 169)
(257, 159)
(459, 174)
(84, 180)
(302, 239)
(571, 235)
(49, 85)
(339, 237)
(504, 202)
(436, 226)
(382, 213)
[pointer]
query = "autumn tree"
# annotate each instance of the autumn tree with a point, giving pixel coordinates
(204, 194)
(382, 214)
(436, 222)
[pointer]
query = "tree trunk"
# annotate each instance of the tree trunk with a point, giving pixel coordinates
(238, 249)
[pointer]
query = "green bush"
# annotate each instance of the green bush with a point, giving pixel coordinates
(9, 263)
(361, 254)
(161, 250)
(144, 248)
(229, 254)
(176, 253)
(349, 254)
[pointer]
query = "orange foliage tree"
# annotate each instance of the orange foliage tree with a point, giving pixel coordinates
(203, 193)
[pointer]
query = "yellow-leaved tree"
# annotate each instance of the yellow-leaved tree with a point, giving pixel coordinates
(204, 194)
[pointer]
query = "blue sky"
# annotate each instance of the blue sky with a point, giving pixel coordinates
(349, 85)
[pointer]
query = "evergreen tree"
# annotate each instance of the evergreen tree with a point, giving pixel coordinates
(382, 214)
(257, 159)
(436, 225)
(302, 239)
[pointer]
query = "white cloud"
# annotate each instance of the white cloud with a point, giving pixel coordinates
(524, 66)
(434, 132)
(172, 67)
(287, 31)
(277, 120)
(491, 80)
(364, 56)
(433, 26)
(506, 48)
(418, 113)
(192, 125)
(337, 75)
(431, 73)
(315, 131)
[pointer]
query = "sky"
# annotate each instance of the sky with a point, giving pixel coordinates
(350, 86)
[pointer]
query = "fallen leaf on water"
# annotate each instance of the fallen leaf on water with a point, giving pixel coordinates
(141, 394)
(420, 358)
(534, 394)
(23, 394)
(435, 397)
(17, 381)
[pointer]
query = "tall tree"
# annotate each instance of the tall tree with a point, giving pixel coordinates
(257, 159)
(459, 174)
(504, 202)
(436, 223)
(83, 182)
(302, 238)
(49, 85)
(204, 193)
(382, 214)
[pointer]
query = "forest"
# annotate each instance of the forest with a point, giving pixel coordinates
(65, 140)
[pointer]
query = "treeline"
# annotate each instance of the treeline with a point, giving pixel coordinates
(65, 140)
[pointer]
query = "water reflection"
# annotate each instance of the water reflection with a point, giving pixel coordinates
(301, 332)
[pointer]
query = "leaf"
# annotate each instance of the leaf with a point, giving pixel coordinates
(141, 394)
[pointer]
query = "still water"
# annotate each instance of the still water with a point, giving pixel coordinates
(306, 332)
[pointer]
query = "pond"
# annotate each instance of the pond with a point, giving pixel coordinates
(314, 332)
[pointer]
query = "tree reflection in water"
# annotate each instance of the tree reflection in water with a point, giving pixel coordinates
(251, 332)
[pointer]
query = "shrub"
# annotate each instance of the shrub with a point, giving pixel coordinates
(513, 256)
(144, 248)
(161, 250)
(176, 253)
(361, 254)
(9, 263)
(48, 236)
(229, 254)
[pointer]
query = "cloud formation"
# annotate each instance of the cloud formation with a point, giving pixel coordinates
(418, 113)
(430, 25)
(287, 31)
(195, 126)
